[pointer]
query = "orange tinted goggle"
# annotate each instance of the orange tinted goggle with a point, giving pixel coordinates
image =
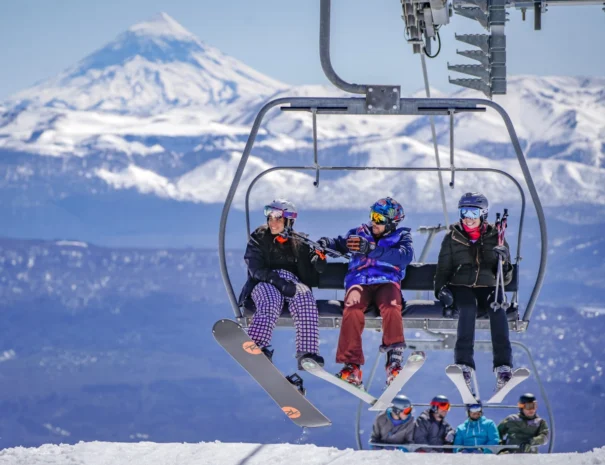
(528, 405)
(378, 218)
(442, 405)
(398, 411)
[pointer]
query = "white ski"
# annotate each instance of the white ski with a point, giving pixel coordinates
(312, 367)
(412, 365)
(454, 372)
(519, 375)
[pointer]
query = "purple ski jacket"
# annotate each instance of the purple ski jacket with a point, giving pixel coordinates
(386, 263)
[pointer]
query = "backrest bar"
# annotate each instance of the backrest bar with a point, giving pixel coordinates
(418, 277)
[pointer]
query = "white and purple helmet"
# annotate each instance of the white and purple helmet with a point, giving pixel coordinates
(282, 208)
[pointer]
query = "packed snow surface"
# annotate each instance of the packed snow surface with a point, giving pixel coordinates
(148, 453)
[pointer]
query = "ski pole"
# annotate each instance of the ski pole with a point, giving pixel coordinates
(314, 244)
(495, 305)
(505, 304)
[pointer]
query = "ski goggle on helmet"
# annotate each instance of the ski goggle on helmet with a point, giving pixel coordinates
(528, 405)
(276, 211)
(441, 405)
(399, 411)
(475, 408)
(378, 218)
(470, 212)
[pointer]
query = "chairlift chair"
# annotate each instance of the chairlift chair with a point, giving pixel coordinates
(419, 314)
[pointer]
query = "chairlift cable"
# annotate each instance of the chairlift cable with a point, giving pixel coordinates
(434, 134)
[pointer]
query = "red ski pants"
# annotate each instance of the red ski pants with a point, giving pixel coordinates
(387, 297)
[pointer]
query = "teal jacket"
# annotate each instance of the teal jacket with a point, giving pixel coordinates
(482, 432)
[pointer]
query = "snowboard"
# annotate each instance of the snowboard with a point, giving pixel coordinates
(295, 406)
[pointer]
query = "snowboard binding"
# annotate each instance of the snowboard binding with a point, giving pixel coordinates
(297, 382)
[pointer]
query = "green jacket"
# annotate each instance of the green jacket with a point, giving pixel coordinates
(518, 429)
(465, 263)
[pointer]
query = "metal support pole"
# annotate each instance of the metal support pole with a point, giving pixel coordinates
(314, 113)
(452, 167)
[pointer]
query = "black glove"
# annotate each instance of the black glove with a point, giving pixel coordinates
(358, 244)
(524, 447)
(318, 260)
(324, 242)
(501, 252)
(446, 297)
(287, 288)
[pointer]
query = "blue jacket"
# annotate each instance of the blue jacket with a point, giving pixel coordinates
(386, 263)
(482, 432)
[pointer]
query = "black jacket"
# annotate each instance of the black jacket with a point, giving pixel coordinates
(473, 264)
(264, 254)
(429, 431)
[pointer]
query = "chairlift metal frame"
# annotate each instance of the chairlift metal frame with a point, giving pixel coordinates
(386, 100)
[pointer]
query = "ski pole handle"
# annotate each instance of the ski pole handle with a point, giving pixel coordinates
(310, 242)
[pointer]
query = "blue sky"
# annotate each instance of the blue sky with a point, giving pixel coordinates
(280, 38)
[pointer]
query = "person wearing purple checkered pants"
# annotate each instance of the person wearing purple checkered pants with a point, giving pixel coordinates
(281, 271)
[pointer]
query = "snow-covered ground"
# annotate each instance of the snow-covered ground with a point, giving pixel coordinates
(148, 453)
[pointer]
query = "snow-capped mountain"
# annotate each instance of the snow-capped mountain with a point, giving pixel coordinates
(153, 67)
(158, 116)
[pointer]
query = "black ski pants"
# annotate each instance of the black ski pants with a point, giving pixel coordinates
(471, 302)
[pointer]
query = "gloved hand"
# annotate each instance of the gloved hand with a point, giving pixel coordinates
(449, 438)
(446, 297)
(324, 242)
(287, 288)
(501, 252)
(525, 447)
(318, 260)
(358, 244)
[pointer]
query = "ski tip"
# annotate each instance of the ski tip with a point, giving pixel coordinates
(453, 369)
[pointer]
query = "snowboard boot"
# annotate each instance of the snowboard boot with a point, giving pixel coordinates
(315, 357)
(394, 363)
(503, 376)
(468, 373)
(268, 351)
(351, 373)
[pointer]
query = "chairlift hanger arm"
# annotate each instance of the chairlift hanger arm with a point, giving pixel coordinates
(407, 106)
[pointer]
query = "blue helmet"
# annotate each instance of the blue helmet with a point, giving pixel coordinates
(402, 403)
(476, 200)
(388, 211)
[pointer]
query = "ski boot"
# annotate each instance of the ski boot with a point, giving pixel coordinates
(503, 376)
(315, 357)
(468, 373)
(351, 373)
(297, 382)
(394, 362)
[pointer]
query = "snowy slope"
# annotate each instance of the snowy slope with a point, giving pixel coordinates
(555, 117)
(148, 453)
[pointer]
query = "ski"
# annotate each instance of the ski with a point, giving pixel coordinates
(297, 408)
(454, 372)
(412, 365)
(519, 375)
(312, 367)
